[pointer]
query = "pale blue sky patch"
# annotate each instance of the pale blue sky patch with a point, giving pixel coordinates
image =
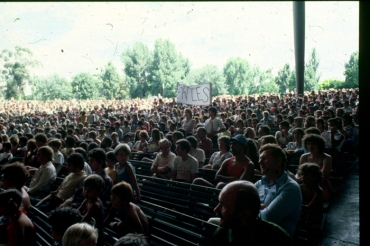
(205, 32)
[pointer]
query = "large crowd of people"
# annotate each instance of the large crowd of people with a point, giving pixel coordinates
(241, 137)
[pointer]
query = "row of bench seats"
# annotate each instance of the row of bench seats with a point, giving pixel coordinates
(167, 227)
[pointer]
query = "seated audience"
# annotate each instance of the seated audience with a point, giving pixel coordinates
(238, 209)
(132, 219)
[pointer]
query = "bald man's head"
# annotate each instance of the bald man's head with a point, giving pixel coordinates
(238, 202)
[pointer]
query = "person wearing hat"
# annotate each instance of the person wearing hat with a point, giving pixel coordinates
(238, 167)
(102, 131)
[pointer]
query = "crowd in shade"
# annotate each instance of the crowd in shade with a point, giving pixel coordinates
(89, 144)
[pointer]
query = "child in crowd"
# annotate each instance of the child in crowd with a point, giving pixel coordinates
(60, 220)
(19, 228)
(6, 154)
(92, 207)
(55, 144)
(133, 220)
(312, 194)
(124, 170)
(81, 234)
(15, 176)
(110, 169)
(127, 140)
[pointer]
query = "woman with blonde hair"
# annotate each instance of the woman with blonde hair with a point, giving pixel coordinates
(80, 234)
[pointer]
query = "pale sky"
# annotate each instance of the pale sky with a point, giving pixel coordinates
(92, 34)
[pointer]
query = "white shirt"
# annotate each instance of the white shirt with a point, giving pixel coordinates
(216, 125)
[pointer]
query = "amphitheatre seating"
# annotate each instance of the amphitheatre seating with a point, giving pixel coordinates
(43, 229)
(169, 227)
(193, 200)
(142, 167)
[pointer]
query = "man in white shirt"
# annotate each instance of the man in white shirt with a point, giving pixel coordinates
(185, 166)
(213, 125)
(164, 161)
(41, 182)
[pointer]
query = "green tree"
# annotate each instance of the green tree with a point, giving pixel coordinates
(113, 86)
(50, 88)
(263, 81)
(311, 74)
(15, 70)
(208, 74)
(238, 73)
(168, 68)
(331, 84)
(285, 79)
(351, 71)
(86, 86)
(137, 62)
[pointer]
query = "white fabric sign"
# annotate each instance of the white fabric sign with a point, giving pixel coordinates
(195, 94)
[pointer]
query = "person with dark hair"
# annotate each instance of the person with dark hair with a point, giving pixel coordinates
(106, 144)
(312, 194)
(213, 125)
(6, 154)
(15, 176)
(333, 137)
(195, 151)
(19, 228)
(297, 145)
(204, 142)
(315, 145)
(69, 147)
(185, 166)
(60, 220)
(92, 208)
(58, 162)
(110, 169)
(238, 210)
(133, 220)
(268, 139)
(87, 168)
(283, 136)
(75, 165)
(280, 195)
(312, 130)
(141, 144)
(97, 162)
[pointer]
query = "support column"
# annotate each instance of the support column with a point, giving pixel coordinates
(299, 43)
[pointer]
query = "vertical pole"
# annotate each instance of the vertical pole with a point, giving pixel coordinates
(299, 43)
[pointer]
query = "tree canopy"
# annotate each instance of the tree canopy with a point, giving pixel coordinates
(156, 72)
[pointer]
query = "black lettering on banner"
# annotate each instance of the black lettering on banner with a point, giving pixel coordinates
(198, 92)
(192, 94)
(184, 92)
(206, 88)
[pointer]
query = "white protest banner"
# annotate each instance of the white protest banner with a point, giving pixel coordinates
(195, 94)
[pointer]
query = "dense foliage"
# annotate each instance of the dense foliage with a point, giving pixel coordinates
(157, 72)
